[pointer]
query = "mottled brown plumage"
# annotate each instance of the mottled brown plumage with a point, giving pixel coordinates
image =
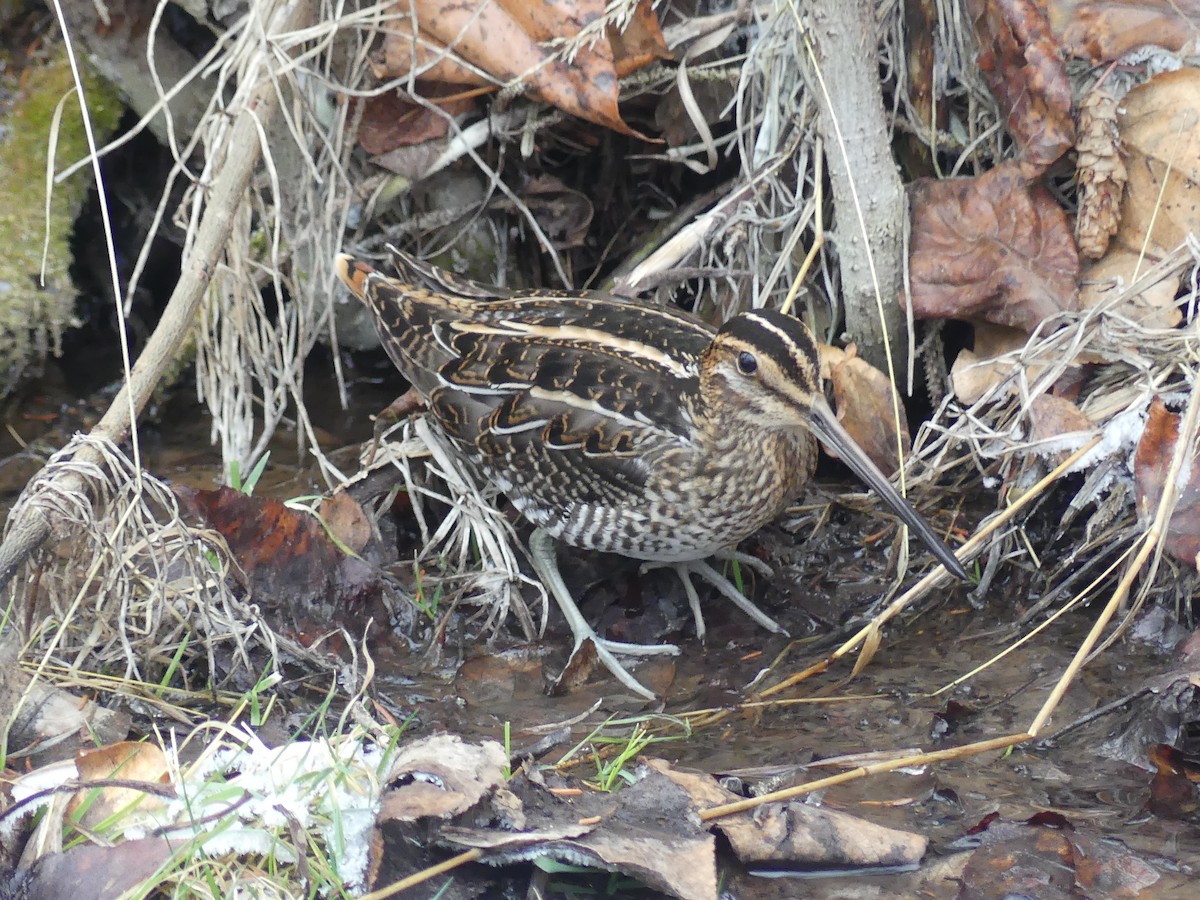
(612, 425)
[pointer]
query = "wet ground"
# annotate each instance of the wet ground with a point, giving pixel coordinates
(893, 708)
(899, 704)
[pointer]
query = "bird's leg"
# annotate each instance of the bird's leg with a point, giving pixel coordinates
(545, 564)
(726, 588)
(683, 571)
(745, 559)
(723, 585)
(401, 408)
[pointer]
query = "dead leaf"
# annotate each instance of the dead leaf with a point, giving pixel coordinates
(425, 58)
(1033, 863)
(564, 214)
(1107, 30)
(1107, 279)
(1150, 465)
(346, 520)
(1024, 68)
(391, 120)
(976, 372)
(295, 572)
(1052, 417)
(795, 832)
(491, 680)
(993, 247)
(920, 30)
(98, 871)
(127, 761)
(655, 673)
(647, 831)
(863, 397)
(1173, 793)
(1160, 131)
(1099, 173)
(44, 722)
(441, 776)
(511, 42)
(641, 43)
(1047, 857)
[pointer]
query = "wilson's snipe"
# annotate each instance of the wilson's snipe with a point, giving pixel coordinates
(615, 426)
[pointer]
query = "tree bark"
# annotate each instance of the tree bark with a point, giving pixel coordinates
(868, 196)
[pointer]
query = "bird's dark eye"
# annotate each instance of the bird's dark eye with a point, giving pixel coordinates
(746, 363)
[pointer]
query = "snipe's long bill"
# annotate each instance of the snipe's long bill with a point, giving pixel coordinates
(829, 431)
(615, 426)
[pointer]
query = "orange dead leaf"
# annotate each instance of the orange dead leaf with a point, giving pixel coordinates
(863, 398)
(641, 43)
(1107, 30)
(124, 761)
(1150, 465)
(993, 247)
(506, 41)
(1021, 61)
(426, 58)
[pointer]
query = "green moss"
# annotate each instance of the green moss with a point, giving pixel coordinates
(33, 315)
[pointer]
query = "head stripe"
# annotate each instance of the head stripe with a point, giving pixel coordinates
(783, 339)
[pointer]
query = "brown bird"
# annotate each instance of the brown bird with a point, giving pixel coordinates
(619, 427)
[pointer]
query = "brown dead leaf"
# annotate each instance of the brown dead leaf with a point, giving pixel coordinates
(88, 870)
(976, 372)
(346, 520)
(390, 121)
(491, 680)
(1052, 417)
(655, 673)
(564, 214)
(1036, 862)
(920, 30)
(546, 21)
(441, 776)
(126, 761)
(44, 722)
(647, 831)
(1105, 31)
(1150, 465)
(993, 247)
(1024, 68)
(1046, 856)
(795, 832)
(425, 58)
(296, 574)
(1160, 131)
(641, 43)
(1106, 279)
(511, 43)
(1099, 173)
(863, 398)
(1173, 792)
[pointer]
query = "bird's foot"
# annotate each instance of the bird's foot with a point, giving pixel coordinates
(606, 652)
(541, 553)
